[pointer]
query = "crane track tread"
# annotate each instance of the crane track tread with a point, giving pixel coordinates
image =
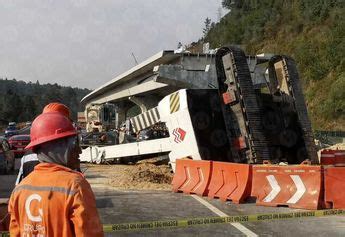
(301, 109)
(252, 113)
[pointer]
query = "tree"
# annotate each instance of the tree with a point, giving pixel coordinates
(12, 107)
(29, 109)
(21, 101)
(229, 4)
(293, 28)
(207, 26)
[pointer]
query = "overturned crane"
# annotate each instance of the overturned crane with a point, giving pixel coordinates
(226, 106)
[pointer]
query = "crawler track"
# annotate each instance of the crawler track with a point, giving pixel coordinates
(295, 91)
(249, 115)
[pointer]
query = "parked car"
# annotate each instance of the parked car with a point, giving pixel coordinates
(6, 157)
(155, 132)
(18, 143)
(145, 134)
(99, 138)
(12, 124)
(11, 130)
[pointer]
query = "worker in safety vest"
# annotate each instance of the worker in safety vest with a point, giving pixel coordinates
(30, 160)
(54, 200)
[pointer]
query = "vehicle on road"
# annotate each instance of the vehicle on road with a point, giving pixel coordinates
(18, 144)
(99, 138)
(152, 133)
(6, 157)
(11, 129)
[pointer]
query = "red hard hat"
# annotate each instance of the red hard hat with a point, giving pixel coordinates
(48, 127)
(57, 107)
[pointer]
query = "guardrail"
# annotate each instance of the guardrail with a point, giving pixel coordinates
(330, 137)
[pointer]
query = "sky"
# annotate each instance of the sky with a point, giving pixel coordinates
(86, 43)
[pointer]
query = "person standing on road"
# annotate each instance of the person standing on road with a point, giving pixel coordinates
(54, 200)
(30, 160)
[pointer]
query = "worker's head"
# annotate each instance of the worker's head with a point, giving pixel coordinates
(57, 107)
(55, 140)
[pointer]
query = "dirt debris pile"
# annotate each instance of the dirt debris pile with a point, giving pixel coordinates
(144, 175)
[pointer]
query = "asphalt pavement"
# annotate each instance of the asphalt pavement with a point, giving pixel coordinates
(138, 206)
(124, 206)
(127, 206)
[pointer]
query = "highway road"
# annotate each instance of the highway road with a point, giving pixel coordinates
(124, 206)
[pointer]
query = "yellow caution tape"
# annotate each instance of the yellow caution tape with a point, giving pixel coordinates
(152, 225)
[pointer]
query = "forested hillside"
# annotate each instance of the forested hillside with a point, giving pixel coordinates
(311, 31)
(21, 101)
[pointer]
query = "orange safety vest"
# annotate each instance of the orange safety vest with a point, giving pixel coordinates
(54, 201)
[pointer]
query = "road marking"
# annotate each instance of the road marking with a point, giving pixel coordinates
(300, 189)
(215, 210)
(275, 188)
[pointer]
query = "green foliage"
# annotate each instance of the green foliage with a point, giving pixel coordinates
(334, 106)
(311, 31)
(20, 101)
(207, 26)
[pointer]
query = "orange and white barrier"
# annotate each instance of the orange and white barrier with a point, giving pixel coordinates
(332, 157)
(293, 186)
(192, 176)
(334, 187)
(230, 181)
(327, 157)
(339, 157)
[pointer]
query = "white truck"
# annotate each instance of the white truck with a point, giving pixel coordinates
(100, 117)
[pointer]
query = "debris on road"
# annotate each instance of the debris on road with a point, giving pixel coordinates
(144, 175)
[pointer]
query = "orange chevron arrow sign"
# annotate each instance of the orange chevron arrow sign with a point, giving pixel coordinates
(296, 186)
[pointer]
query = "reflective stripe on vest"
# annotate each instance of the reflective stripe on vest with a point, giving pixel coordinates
(45, 188)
